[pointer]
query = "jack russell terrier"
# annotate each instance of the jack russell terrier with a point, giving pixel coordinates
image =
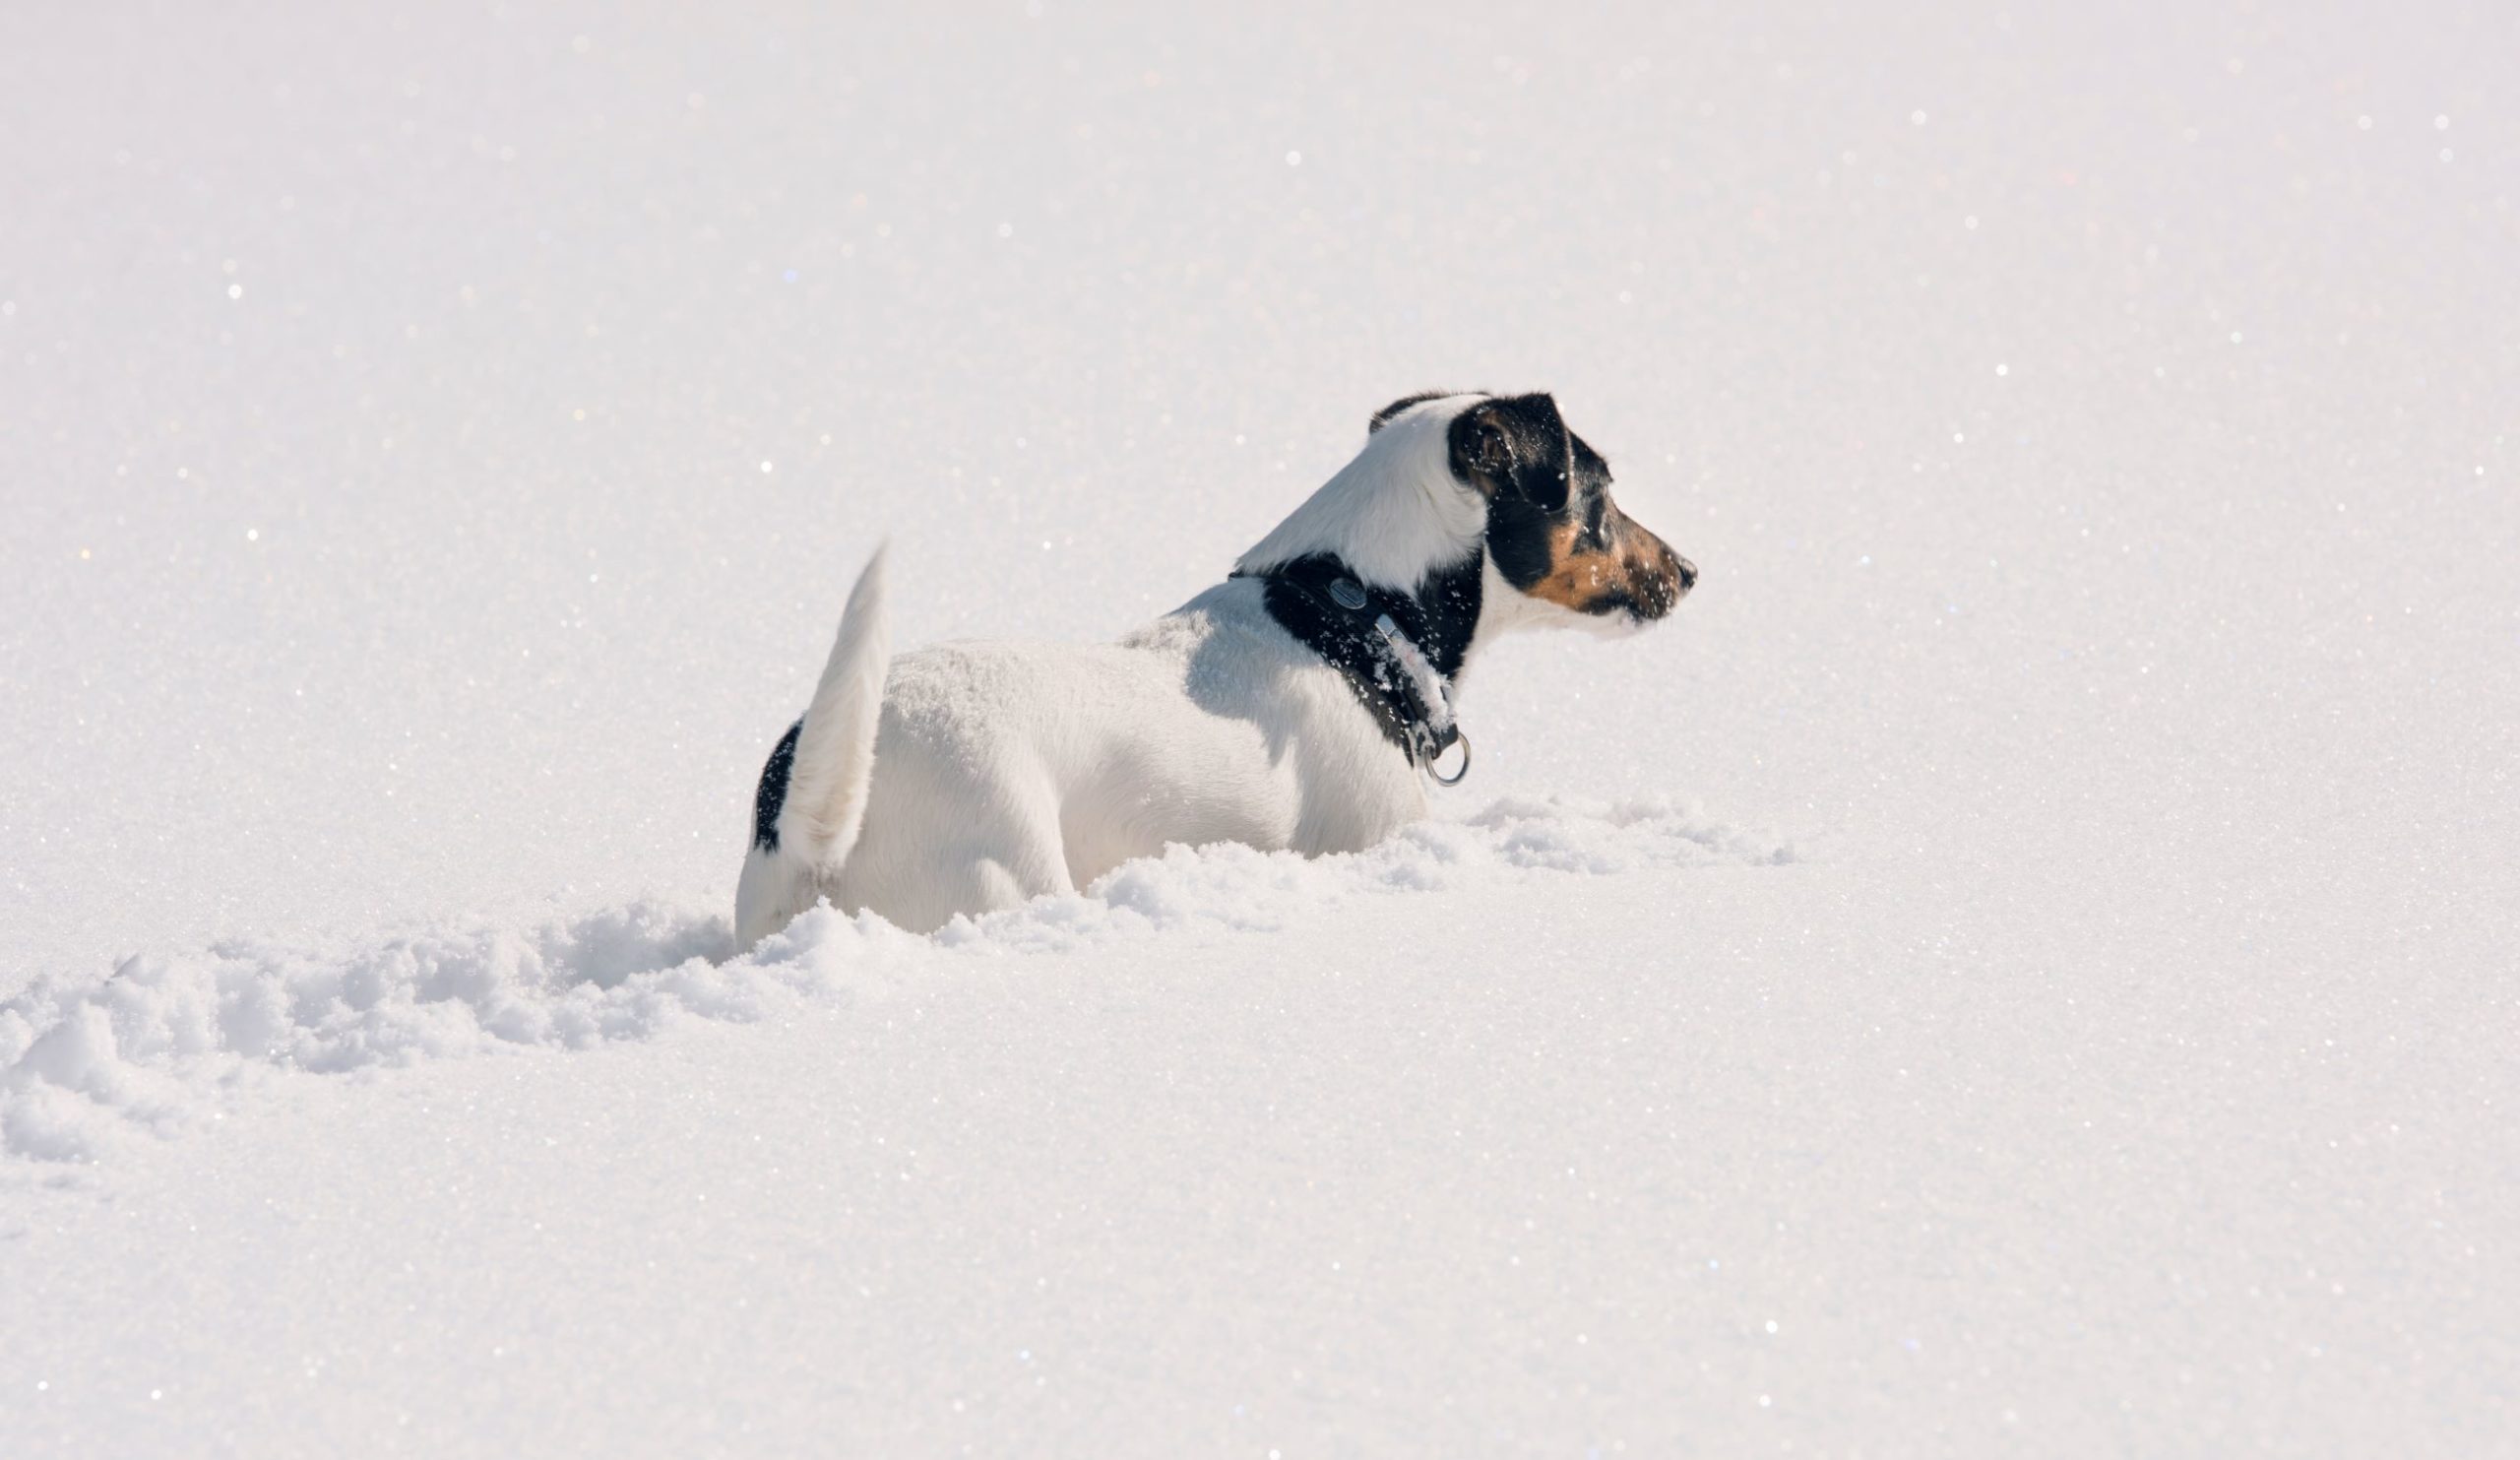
(1301, 704)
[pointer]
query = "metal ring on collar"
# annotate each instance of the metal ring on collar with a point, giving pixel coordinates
(1428, 764)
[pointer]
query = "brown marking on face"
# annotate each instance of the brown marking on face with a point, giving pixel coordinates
(1621, 567)
(1577, 577)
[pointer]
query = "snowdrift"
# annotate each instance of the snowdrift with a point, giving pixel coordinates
(148, 1046)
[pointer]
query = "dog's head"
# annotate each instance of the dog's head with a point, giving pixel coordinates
(1553, 531)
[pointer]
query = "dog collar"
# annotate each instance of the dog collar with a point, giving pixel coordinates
(1373, 637)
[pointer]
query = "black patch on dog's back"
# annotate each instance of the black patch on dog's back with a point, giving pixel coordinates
(772, 797)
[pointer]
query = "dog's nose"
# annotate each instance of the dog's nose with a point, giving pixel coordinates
(1686, 571)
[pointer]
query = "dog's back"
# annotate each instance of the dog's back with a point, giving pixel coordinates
(1006, 768)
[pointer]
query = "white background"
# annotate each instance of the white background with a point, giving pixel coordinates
(434, 447)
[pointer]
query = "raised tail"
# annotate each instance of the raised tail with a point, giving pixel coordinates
(836, 741)
(812, 799)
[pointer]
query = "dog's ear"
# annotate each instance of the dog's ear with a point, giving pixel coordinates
(1517, 445)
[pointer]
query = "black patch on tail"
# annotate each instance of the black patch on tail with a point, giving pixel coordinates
(773, 794)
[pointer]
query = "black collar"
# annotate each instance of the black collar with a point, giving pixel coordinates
(1397, 651)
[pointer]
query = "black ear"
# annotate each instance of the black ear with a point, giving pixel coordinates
(1516, 445)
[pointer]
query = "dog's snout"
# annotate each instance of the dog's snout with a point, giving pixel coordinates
(1671, 576)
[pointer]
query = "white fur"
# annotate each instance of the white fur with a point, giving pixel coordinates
(1003, 771)
(1394, 512)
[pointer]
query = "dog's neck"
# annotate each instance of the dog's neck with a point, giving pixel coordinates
(1395, 514)
(1368, 633)
(1393, 536)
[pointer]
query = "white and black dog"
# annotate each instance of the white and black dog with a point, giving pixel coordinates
(1300, 704)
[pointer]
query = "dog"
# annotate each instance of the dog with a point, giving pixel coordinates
(1301, 704)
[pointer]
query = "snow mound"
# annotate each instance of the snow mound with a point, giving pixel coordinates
(83, 1062)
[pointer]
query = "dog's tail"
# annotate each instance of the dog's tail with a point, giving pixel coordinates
(835, 756)
(812, 799)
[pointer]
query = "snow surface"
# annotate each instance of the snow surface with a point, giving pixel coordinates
(80, 1061)
(2022, 963)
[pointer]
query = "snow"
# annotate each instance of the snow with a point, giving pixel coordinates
(164, 1037)
(2021, 962)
